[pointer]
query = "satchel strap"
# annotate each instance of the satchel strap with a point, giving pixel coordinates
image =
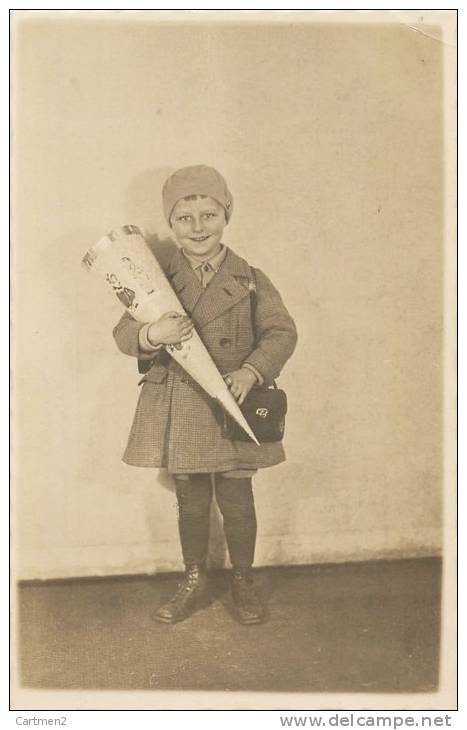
(253, 301)
(253, 305)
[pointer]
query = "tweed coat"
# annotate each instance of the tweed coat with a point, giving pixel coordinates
(176, 424)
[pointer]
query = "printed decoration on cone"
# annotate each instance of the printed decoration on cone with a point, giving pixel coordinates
(128, 266)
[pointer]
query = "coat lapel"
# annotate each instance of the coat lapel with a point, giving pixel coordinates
(223, 293)
(184, 282)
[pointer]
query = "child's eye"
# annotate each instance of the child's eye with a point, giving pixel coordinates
(210, 215)
(184, 218)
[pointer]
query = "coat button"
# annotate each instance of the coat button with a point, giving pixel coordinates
(225, 342)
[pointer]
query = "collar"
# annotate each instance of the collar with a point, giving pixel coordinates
(214, 262)
(224, 291)
(233, 265)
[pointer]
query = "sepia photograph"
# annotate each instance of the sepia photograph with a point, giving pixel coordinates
(233, 282)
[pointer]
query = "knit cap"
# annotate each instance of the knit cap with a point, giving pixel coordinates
(196, 180)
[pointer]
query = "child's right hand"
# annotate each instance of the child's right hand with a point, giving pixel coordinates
(170, 329)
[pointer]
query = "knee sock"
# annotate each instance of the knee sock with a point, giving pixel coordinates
(236, 502)
(194, 497)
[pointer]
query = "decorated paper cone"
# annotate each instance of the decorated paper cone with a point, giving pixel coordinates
(125, 261)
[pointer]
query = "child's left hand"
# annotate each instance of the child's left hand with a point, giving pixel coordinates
(240, 383)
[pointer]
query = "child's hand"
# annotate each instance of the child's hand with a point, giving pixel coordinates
(240, 383)
(170, 329)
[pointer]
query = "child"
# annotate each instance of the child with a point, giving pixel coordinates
(177, 425)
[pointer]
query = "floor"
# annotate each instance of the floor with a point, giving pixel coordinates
(355, 627)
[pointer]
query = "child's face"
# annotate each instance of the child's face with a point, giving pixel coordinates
(198, 223)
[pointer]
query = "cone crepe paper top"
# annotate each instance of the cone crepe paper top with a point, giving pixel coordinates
(128, 266)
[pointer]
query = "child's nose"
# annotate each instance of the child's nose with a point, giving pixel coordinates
(197, 224)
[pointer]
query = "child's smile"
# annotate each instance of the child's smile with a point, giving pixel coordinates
(198, 224)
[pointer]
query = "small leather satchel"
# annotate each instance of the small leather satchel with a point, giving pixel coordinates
(264, 408)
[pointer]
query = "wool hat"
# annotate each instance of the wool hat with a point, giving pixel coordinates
(196, 180)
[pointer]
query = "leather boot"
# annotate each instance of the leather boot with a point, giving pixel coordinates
(187, 598)
(247, 604)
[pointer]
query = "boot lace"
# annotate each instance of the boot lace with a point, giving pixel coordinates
(187, 586)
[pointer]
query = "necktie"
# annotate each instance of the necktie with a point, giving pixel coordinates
(206, 273)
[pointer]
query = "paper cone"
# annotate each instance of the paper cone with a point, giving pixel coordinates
(125, 261)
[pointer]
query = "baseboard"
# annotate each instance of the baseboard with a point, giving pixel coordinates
(303, 549)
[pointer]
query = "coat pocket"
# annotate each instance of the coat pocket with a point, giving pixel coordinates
(157, 374)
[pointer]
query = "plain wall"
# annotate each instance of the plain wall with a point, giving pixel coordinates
(330, 137)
